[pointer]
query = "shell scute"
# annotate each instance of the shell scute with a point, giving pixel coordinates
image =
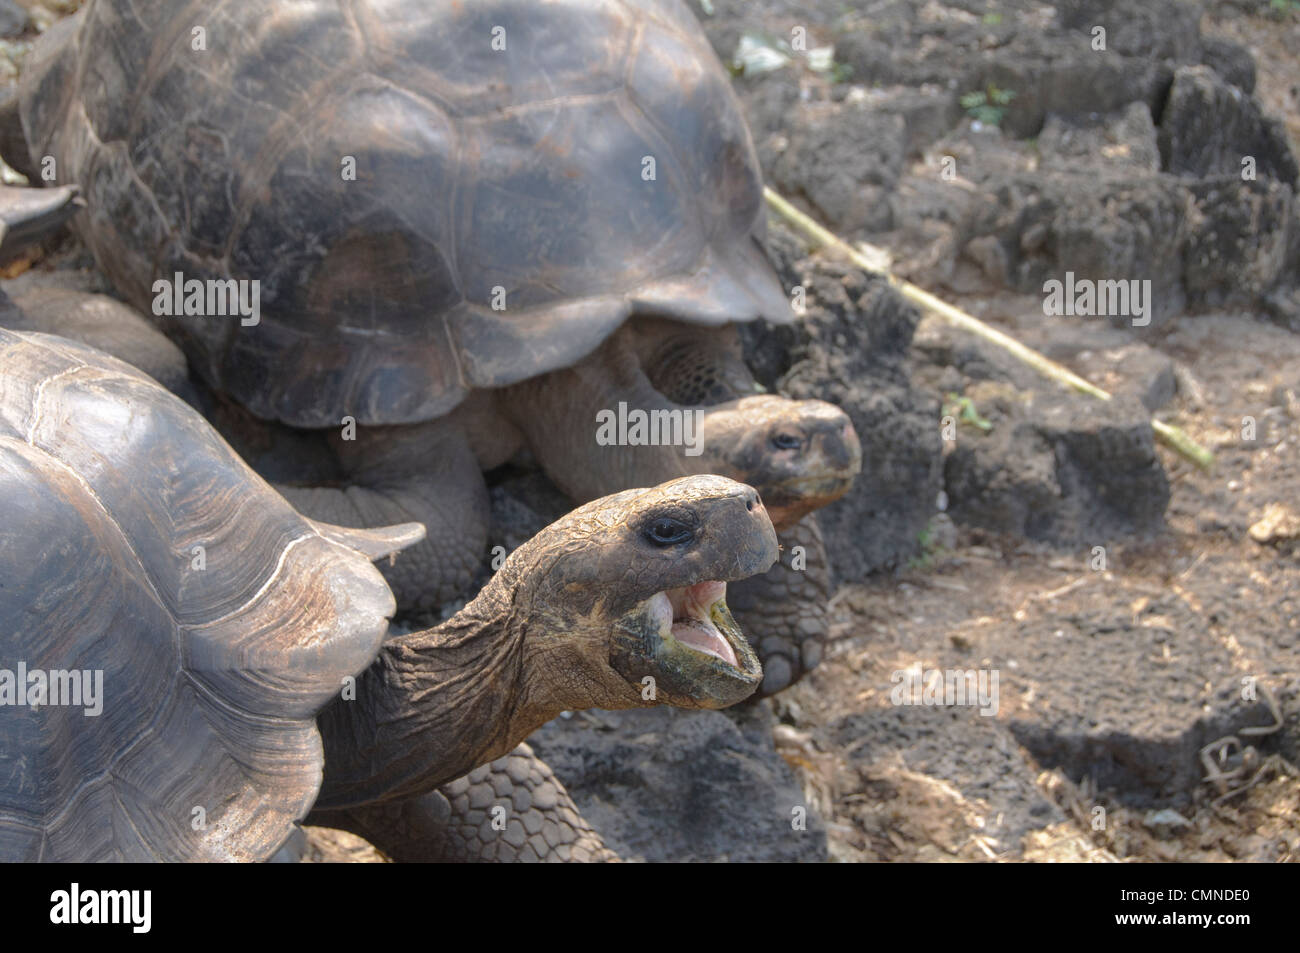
(137, 547)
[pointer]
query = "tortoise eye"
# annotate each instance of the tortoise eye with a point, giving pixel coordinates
(786, 441)
(668, 532)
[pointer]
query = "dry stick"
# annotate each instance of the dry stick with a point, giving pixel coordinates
(1173, 437)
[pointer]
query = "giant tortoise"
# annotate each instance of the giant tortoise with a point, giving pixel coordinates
(189, 652)
(475, 227)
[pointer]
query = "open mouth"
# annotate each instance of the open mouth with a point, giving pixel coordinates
(690, 616)
(685, 643)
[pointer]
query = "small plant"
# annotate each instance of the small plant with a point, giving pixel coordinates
(987, 106)
(925, 558)
(930, 545)
(841, 72)
(963, 408)
(1283, 8)
(992, 19)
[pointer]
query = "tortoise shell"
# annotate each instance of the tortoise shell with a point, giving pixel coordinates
(434, 195)
(214, 619)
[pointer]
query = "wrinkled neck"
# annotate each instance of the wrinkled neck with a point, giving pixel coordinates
(433, 706)
(601, 426)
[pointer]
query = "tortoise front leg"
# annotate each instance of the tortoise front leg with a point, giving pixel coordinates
(513, 810)
(783, 611)
(425, 473)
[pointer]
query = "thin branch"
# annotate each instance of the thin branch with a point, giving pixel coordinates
(1173, 437)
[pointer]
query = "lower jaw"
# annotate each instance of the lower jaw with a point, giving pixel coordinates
(783, 517)
(785, 509)
(683, 676)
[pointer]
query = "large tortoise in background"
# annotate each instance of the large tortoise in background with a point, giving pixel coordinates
(195, 638)
(475, 227)
(475, 168)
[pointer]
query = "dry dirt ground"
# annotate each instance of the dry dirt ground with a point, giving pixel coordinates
(964, 608)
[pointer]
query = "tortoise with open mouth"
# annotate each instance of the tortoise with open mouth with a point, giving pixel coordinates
(240, 648)
(475, 227)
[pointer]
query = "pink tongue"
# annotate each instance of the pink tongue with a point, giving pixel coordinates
(707, 640)
(693, 627)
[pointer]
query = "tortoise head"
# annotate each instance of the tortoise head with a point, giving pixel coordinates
(624, 603)
(799, 454)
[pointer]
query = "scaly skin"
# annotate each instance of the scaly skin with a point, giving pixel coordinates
(784, 610)
(571, 621)
(513, 810)
(427, 473)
